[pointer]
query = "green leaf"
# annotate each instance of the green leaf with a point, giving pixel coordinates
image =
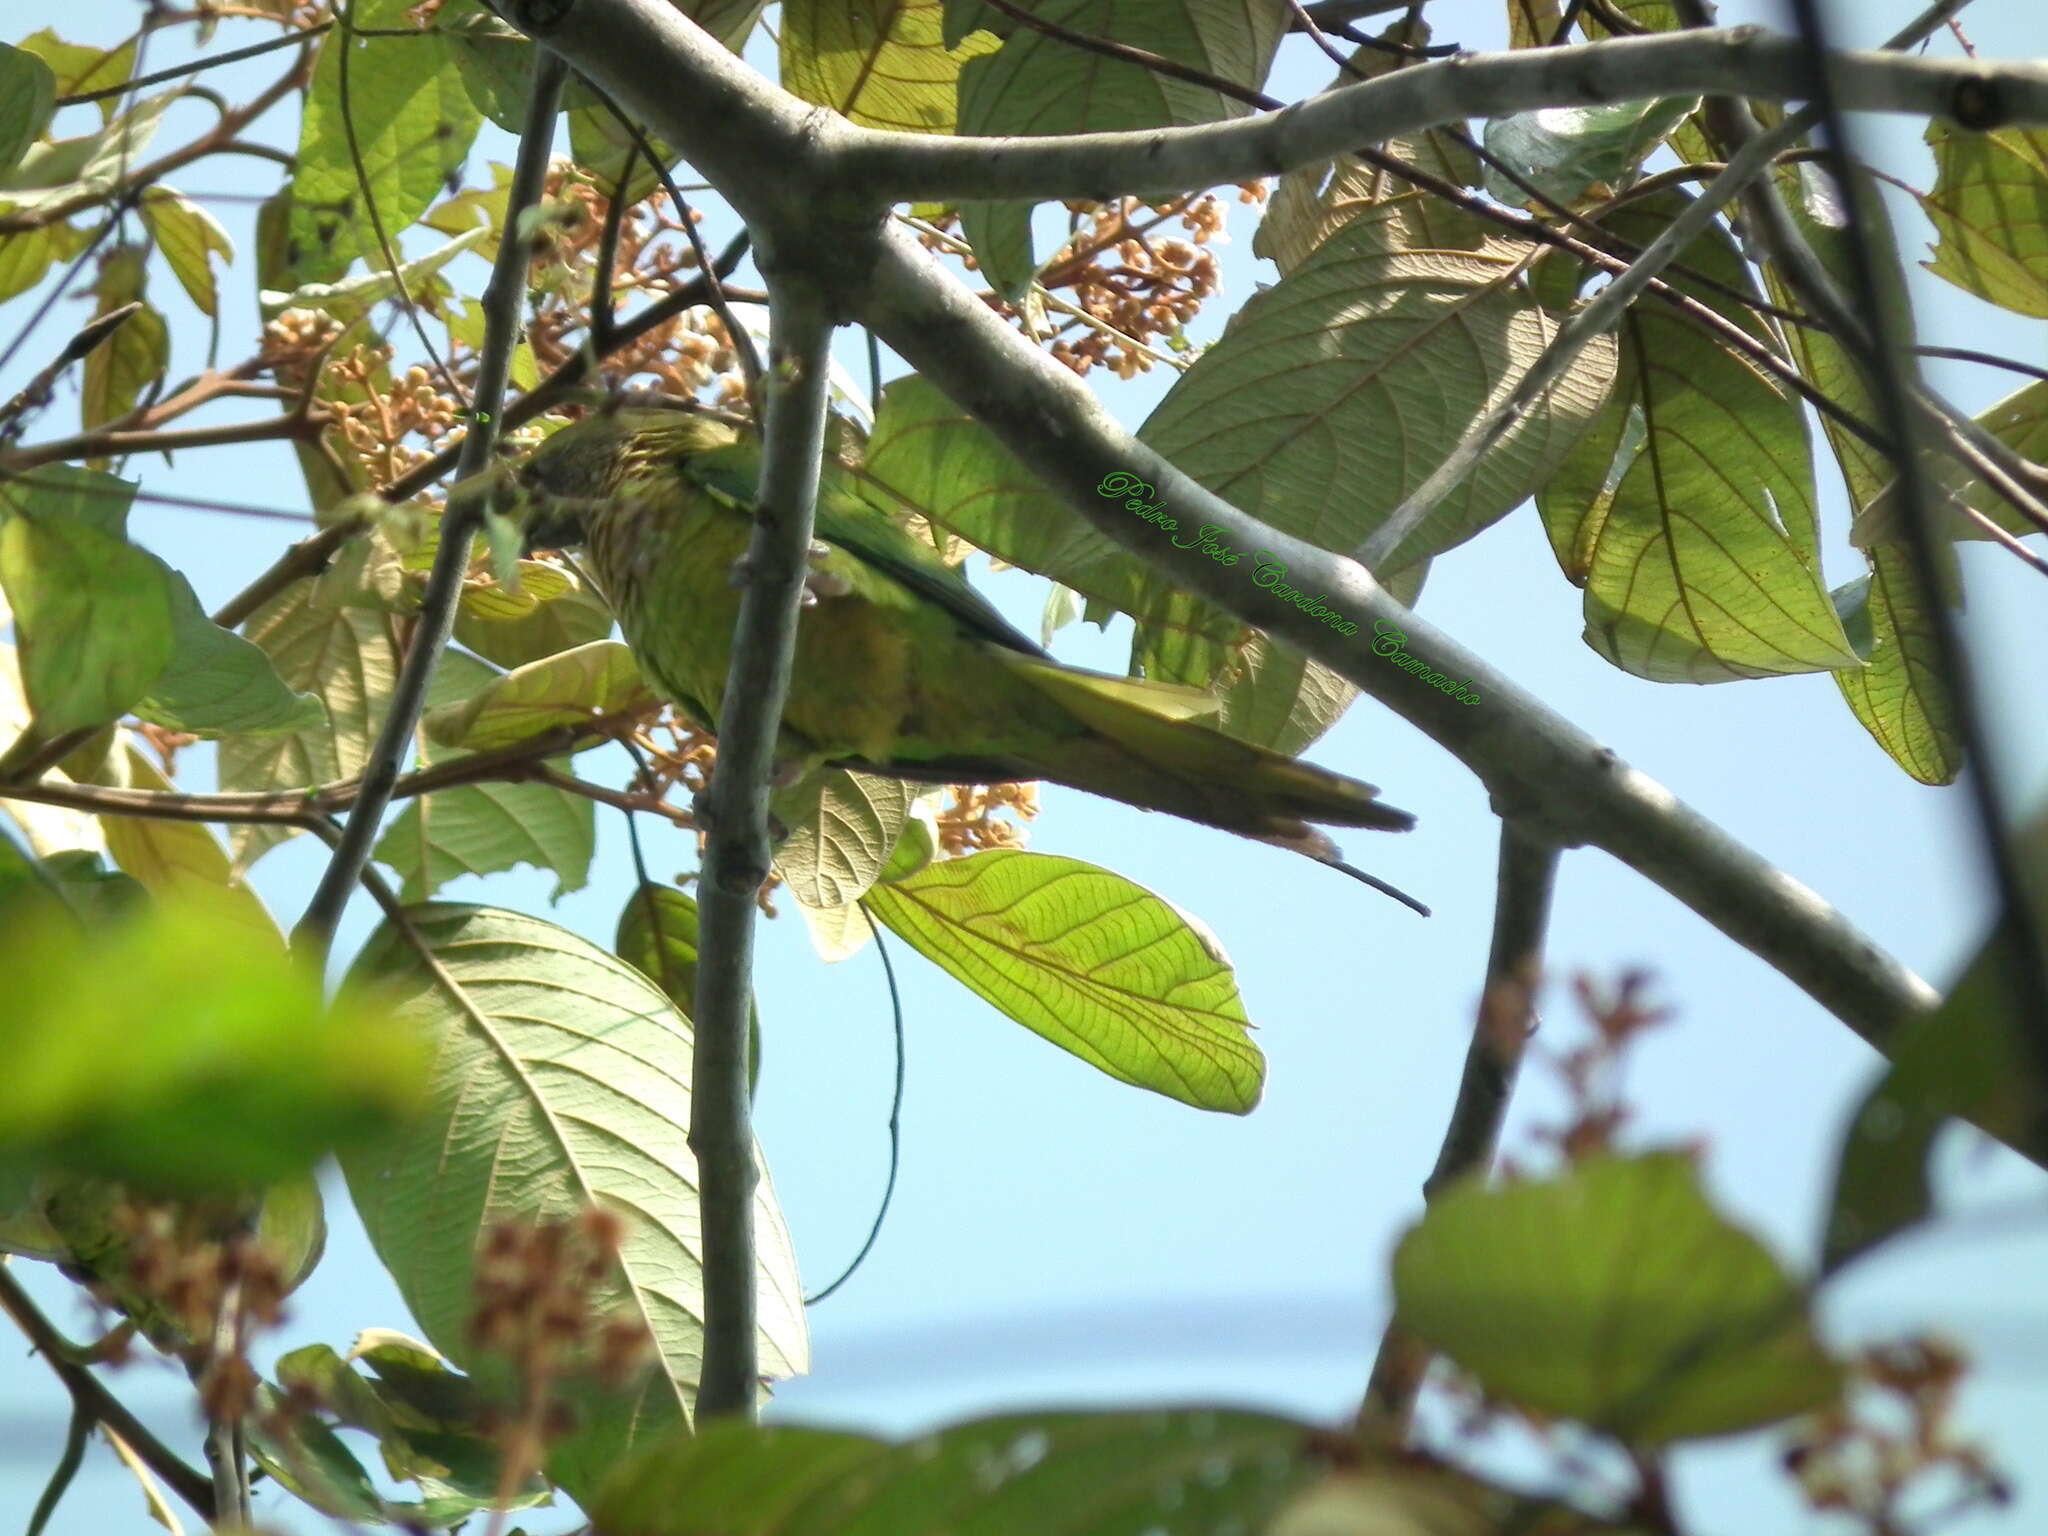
(658, 937)
(1990, 205)
(412, 124)
(557, 1060)
(189, 237)
(1967, 1058)
(354, 296)
(91, 165)
(1613, 1294)
(1687, 511)
(219, 684)
(26, 256)
(1336, 392)
(92, 612)
(77, 68)
(426, 1418)
(478, 829)
(587, 686)
(49, 829)
(1028, 1474)
(1274, 695)
(556, 623)
(843, 826)
(177, 858)
(1096, 964)
(1568, 153)
(495, 61)
(197, 1060)
(134, 357)
(1035, 84)
(1533, 23)
(28, 98)
(1898, 694)
(346, 656)
(878, 63)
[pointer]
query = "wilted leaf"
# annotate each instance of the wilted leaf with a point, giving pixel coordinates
(1094, 963)
(190, 238)
(586, 686)
(1613, 1294)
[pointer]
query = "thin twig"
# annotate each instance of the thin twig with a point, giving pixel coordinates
(195, 66)
(90, 1393)
(503, 299)
(738, 849)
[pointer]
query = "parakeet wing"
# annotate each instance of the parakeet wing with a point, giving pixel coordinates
(870, 535)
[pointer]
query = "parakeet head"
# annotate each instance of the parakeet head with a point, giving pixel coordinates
(576, 469)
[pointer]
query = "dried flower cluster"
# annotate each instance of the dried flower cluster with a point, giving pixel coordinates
(975, 818)
(1592, 1071)
(1138, 287)
(171, 1269)
(535, 1286)
(1902, 1444)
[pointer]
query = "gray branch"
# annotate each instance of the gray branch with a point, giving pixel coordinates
(738, 848)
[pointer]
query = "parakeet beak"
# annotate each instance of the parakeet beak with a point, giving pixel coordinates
(552, 522)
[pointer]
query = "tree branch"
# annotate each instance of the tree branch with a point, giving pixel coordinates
(503, 299)
(1521, 915)
(738, 849)
(1099, 165)
(1568, 788)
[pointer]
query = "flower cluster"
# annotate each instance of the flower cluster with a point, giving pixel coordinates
(535, 1285)
(976, 817)
(1133, 285)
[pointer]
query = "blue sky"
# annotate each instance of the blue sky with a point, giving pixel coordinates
(1060, 1238)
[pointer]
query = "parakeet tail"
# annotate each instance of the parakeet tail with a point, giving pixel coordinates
(1148, 748)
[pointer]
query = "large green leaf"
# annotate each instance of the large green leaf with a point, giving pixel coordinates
(1096, 964)
(1616, 1295)
(559, 621)
(1040, 1474)
(91, 165)
(1687, 511)
(28, 95)
(657, 936)
(1898, 694)
(411, 122)
(196, 1060)
(93, 613)
(561, 1079)
(478, 829)
(879, 63)
(25, 257)
(48, 829)
(1336, 392)
(1990, 203)
(346, 655)
(1035, 84)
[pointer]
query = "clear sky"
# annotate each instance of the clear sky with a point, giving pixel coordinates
(1060, 1238)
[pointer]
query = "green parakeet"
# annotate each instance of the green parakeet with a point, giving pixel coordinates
(901, 667)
